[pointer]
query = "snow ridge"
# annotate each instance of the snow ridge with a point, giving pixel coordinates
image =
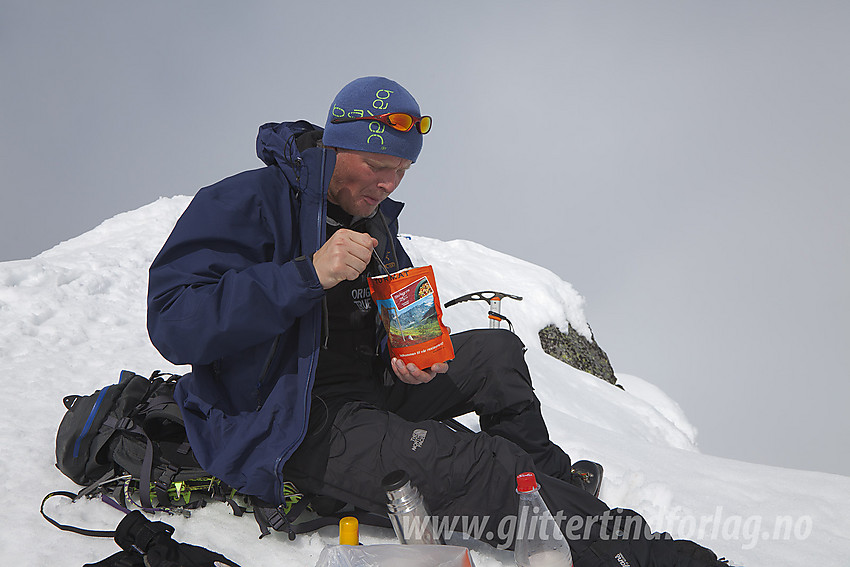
(74, 316)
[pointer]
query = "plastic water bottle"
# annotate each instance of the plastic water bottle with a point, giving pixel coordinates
(539, 541)
(409, 516)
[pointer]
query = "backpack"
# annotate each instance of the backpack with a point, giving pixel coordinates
(127, 443)
(131, 431)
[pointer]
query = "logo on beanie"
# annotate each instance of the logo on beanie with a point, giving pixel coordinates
(376, 128)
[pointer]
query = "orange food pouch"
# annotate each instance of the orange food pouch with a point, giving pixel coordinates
(410, 310)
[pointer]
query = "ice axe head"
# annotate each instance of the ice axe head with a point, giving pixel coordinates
(494, 299)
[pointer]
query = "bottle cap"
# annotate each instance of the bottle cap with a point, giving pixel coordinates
(349, 533)
(525, 482)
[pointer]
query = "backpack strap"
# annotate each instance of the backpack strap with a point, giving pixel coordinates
(268, 516)
(67, 528)
(277, 518)
(145, 476)
(127, 424)
(364, 518)
(162, 484)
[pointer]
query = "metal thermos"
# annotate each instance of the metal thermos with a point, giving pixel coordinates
(409, 516)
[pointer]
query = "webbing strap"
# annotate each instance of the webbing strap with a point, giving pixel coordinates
(145, 476)
(364, 518)
(274, 518)
(163, 483)
(67, 528)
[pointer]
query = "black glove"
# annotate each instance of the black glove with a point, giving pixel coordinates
(149, 544)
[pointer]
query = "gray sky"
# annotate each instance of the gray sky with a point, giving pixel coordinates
(683, 164)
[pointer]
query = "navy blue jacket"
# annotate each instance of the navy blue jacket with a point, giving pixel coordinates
(234, 293)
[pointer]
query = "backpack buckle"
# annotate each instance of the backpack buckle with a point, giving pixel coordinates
(163, 483)
(167, 477)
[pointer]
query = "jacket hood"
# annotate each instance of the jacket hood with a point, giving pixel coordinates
(290, 146)
(276, 141)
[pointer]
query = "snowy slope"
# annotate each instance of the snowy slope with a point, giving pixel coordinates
(74, 316)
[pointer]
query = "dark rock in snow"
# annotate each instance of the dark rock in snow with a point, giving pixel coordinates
(577, 351)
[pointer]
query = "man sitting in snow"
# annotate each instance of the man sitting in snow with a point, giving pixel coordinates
(262, 288)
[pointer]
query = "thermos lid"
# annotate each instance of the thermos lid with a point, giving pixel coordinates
(395, 480)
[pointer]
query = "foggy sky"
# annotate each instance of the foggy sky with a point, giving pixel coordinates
(683, 164)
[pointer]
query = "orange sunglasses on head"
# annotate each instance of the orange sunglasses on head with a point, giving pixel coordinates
(401, 121)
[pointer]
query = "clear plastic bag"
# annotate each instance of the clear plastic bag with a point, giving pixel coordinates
(393, 555)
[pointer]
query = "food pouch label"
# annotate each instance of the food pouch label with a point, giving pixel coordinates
(410, 310)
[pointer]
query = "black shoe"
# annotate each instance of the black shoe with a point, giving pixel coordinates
(587, 475)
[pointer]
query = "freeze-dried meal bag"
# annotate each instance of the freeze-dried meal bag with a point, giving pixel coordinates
(410, 310)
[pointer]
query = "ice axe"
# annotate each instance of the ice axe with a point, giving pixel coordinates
(494, 299)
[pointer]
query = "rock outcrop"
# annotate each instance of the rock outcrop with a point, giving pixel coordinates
(577, 351)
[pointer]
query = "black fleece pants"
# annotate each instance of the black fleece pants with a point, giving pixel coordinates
(465, 478)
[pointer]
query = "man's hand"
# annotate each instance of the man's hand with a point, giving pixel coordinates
(410, 374)
(343, 257)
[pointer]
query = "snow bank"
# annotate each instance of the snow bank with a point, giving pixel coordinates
(74, 316)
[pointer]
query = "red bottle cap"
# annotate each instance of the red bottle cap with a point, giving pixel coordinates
(526, 482)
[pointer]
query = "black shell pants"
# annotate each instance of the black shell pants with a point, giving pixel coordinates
(352, 444)
(468, 480)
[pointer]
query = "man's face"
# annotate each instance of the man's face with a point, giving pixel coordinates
(361, 180)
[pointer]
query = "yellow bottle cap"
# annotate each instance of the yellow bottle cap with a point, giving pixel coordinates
(349, 532)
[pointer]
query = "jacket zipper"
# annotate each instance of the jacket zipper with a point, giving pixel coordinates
(320, 222)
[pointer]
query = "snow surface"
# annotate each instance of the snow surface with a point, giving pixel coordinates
(74, 316)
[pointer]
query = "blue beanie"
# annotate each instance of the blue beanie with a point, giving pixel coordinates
(373, 96)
